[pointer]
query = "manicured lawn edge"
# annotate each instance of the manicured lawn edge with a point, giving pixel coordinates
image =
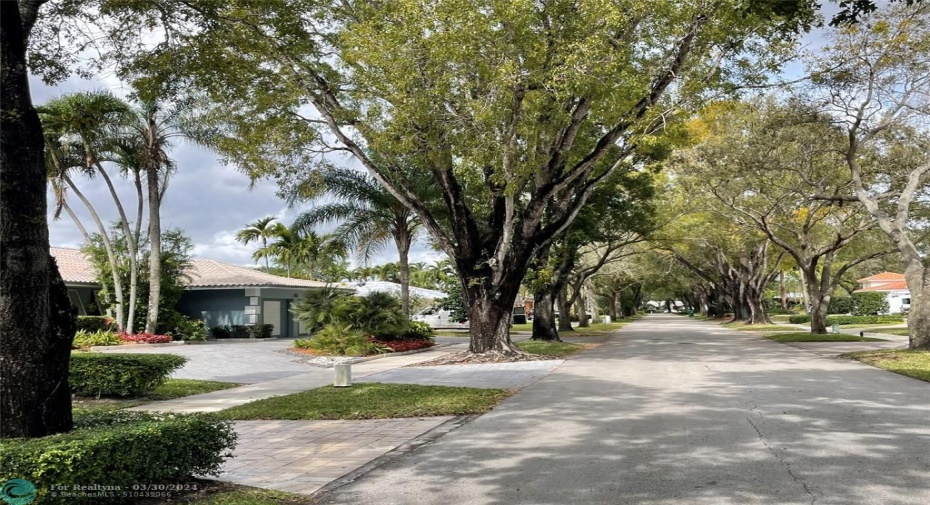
(554, 349)
(371, 401)
(800, 336)
(907, 362)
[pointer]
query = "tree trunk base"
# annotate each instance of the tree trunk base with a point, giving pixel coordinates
(474, 358)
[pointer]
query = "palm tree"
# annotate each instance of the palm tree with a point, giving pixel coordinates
(80, 128)
(370, 217)
(300, 250)
(261, 229)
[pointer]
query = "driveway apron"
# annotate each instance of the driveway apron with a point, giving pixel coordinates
(675, 411)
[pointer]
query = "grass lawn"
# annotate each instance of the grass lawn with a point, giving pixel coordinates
(371, 401)
(450, 333)
(892, 331)
(801, 336)
(739, 325)
(905, 362)
(555, 349)
(171, 389)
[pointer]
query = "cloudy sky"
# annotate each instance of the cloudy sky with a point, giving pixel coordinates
(208, 200)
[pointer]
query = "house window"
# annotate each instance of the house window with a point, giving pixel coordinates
(76, 301)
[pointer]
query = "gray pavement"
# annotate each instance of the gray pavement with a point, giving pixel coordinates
(491, 375)
(677, 411)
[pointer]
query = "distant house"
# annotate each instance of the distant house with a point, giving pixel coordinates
(895, 287)
(218, 293)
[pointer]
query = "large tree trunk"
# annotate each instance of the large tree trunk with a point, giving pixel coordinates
(151, 320)
(565, 308)
(36, 321)
(544, 317)
(489, 316)
(582, 311)
(819, 308)
(918, 317)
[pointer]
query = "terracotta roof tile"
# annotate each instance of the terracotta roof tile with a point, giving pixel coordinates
(886, 286)
(74, 266)
(884, 276)
(76, 269)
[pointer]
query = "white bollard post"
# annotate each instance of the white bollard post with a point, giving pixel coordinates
(342, 375)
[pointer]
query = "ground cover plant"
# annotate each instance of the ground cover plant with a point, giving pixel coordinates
(802, 336)
(371, 401)
(547, 348)
(908, 362)
(169, 390)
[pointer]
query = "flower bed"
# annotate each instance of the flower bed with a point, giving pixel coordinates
(143, 338)
(405, 345)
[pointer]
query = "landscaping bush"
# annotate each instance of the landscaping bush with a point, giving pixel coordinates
(419, 330)
(870, 303)
(376, 314)
(93, 323)
(260, 330)
(801, 319)
(221, 332)
(341, 340)
(841, 305)
(188, 328)
(143, 338)
(120, 374)
(84, 339)
(239, 331)
(841, 320)
(116, 451)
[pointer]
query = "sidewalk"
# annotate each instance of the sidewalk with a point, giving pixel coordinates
(303, 456)
(837, 348)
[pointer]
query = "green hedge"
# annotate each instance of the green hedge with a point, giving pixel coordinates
(864, 319)
(869, 303)
(120, 374)
(260, 330)
(117, 452)
(93, 323)
(841, 320)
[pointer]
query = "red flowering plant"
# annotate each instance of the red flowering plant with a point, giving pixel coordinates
(143, 338)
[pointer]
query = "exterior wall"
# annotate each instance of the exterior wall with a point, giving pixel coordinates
(217, 307)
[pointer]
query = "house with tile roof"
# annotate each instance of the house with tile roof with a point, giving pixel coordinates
(895, 287)
(218, 293)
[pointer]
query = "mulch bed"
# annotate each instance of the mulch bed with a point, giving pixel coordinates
(470, 358)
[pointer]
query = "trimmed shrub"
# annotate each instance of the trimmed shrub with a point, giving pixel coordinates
(801, 319)
(239, 331)
(93, 323)
(340, 340)
(841, 320)
(870, 303)
(120, 374)
(84, 339)
(221, 332)
(260, 330)
(115, 451)
(841, 305)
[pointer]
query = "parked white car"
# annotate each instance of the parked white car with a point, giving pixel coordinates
(439, 319)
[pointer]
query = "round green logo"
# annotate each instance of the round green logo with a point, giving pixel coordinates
(18, 492)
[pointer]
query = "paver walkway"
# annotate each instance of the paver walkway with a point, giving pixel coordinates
(303, 456)
(674, 411)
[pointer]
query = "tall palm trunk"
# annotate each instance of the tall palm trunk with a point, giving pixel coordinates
(111, 255)
(154, 200)
(403, 253)
(132, 245)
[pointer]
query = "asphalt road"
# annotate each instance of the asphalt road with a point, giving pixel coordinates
(676, 411)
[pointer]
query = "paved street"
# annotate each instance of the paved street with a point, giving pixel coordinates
(677, 411)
